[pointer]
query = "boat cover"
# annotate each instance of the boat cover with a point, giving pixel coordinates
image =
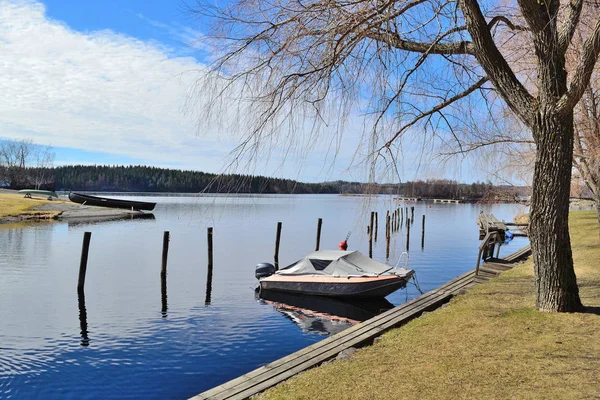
(336, 263)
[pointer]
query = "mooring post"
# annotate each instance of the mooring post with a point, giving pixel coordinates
(209, 273)
(412, 213)
(387, 223)
(423, 233)
(407, 234)
(84, 258)
(371, 235)
(277, 238)
(376, 224)
(165, 253)
(319, 223)
(387, 237)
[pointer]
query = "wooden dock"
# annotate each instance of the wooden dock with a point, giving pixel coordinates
(278, 371)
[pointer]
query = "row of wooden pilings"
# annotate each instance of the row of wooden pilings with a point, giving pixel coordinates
(163, 277)
(393, 224)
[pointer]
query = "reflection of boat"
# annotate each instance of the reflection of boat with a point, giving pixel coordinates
(351, 310)
(112, 218)
(112, 203)
(335, 273)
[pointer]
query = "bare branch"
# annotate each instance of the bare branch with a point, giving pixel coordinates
(497, 69)
(583, 72)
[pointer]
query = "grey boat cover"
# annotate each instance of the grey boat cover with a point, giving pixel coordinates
(336, 263)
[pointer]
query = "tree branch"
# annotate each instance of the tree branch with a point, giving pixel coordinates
(567, 28)
(497, 69)
(434, 110)
(583, 72)
(396, 41)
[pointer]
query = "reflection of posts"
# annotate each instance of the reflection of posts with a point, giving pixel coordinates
(163, 295)
(209, 274)
(85, 340)
(423, 233)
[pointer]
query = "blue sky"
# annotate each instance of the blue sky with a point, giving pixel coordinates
(108, 82)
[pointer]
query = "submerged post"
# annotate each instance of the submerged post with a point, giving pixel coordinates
(319, 223)
(407, 234)
(371, 235)
(165, 252)
(209, 273)
(85, 248)
(277, 238)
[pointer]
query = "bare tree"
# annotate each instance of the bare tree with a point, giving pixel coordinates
(44, 161)
(14, 157)
(394, 61)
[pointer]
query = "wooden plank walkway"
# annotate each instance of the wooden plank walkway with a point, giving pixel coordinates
(278, 371)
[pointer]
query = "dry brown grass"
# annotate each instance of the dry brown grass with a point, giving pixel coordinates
(489, 343)
(14, 205)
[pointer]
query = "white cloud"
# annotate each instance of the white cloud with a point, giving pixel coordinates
(97, 91)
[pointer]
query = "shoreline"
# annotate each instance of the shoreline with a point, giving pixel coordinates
(15, 208)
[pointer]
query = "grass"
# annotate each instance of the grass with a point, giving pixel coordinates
(489, 343)
(15, 205)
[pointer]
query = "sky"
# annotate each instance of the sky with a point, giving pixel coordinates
(110, 82)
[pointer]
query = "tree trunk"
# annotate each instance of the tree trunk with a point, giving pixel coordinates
(555, 279)
(597, 200)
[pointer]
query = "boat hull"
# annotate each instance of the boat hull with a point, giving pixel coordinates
(343, 287)
(112, 203)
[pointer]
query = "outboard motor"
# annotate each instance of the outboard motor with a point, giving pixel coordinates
(263, 270)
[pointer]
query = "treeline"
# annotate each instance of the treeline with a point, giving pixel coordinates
(152, 179)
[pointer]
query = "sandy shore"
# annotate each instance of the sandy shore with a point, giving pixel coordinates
(38, 209)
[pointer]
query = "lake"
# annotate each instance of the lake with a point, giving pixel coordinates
(130, 341)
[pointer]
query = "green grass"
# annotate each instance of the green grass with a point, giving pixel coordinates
(489, 343)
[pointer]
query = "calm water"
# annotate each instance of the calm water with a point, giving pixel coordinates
(126, 345)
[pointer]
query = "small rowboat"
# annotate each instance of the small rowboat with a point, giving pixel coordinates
(112, 203)
(335, 273)
(35, 192)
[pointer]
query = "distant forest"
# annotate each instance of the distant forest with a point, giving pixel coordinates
(153, 179)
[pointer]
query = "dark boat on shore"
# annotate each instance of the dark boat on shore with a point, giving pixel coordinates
(112, 203)
(335, 273)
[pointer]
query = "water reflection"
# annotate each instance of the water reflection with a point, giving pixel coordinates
(163, 295)
(78, 223)
(323, 315)
(85, 340)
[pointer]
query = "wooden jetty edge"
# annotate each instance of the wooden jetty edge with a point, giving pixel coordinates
(278, 371)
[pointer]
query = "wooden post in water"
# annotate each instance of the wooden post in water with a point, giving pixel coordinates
(209, 273)
(85, 248)
(407, 234)
(371, 235)
(412, 214)
(85, 340)
(392, 221)
(319, 223)
(376, 224)
(387, 237)
(423, 233)
(277, 238)
(165, 253)
(401, 217)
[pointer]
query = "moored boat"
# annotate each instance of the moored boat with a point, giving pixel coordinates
(335, 273)
(112, 203)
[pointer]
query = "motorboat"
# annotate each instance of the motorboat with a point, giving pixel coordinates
(112, 203)
(336, 273)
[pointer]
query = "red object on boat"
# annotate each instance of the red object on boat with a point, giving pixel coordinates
(343, 245)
